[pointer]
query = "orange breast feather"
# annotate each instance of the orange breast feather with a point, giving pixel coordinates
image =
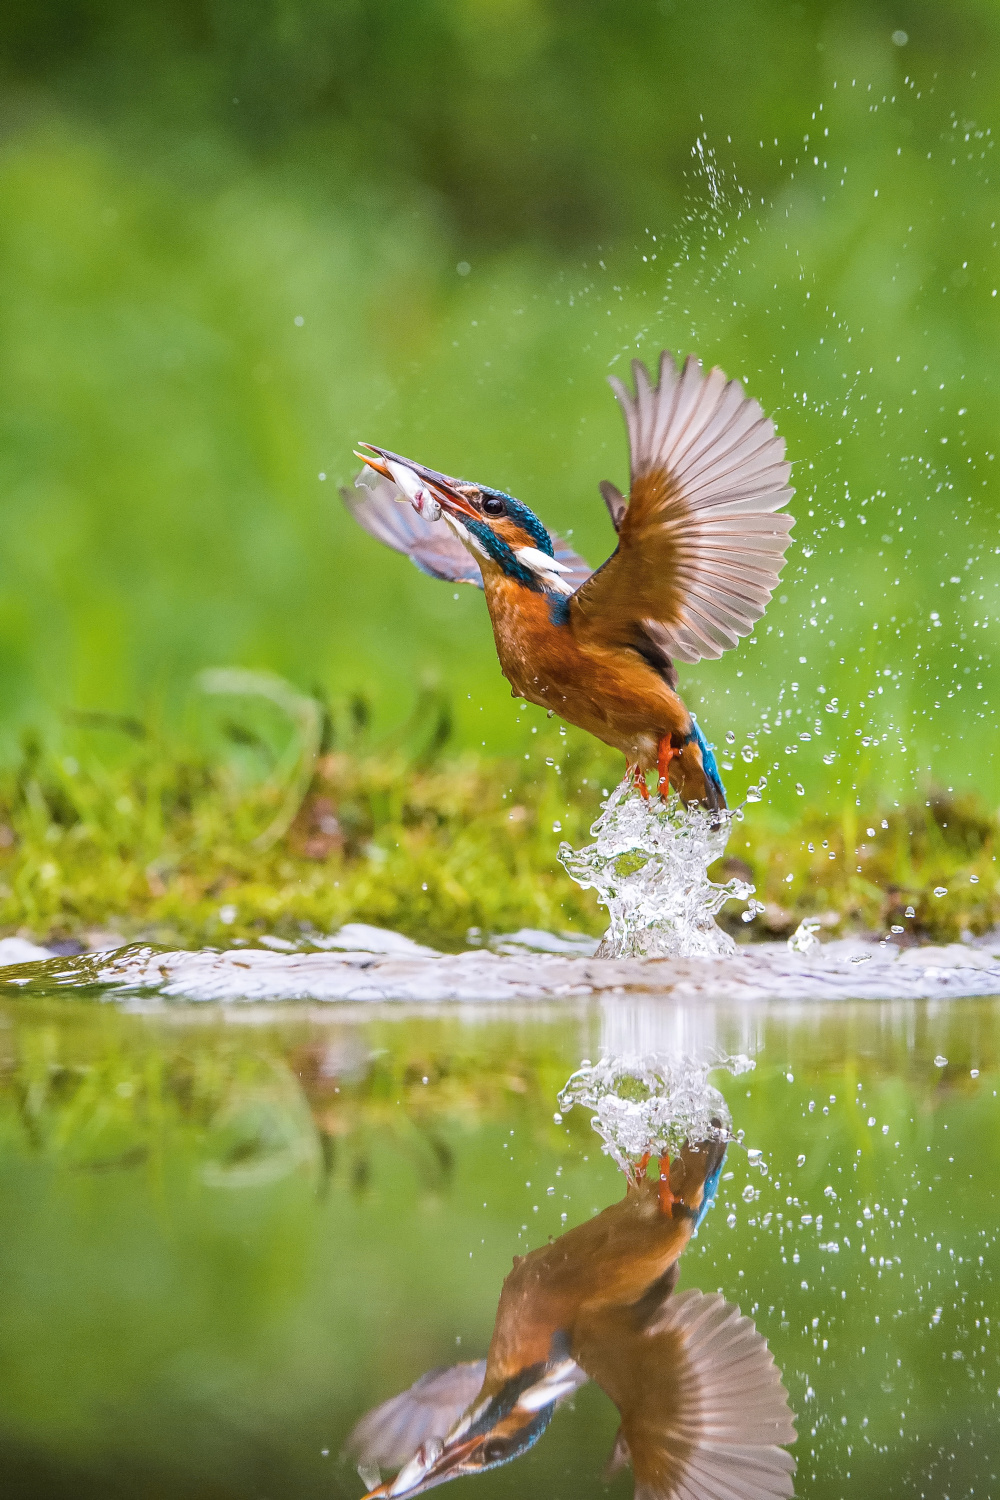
(613, 693)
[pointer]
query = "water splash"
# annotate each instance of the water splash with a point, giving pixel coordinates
(652, 1104)
(649, 868)
(804, 939)
(705, 157)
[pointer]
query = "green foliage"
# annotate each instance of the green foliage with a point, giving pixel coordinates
(171, 848)
(180, 848)
(166, 418)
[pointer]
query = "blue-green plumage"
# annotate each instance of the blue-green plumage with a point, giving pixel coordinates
(708, 758)
(519, 513)
(711, 1184)
(500, 551)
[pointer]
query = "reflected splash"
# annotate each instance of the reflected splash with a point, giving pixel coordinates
(650, 1106)
(649, 867)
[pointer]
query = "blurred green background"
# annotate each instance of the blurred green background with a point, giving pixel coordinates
(235, 239)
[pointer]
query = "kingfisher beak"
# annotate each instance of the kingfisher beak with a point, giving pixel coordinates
(449, 492)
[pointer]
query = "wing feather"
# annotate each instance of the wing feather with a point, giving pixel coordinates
(704, 1412)
(432, 547)
(388, 1436)
(700, 544)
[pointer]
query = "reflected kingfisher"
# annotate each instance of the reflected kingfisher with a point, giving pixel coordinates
(704, 1413)
(700, 547)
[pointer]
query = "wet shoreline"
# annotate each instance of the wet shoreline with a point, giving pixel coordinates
(848, 970)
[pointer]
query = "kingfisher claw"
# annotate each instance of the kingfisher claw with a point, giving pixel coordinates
(666, 1197)
(638, 780)
(664, 755)
(635, 1175)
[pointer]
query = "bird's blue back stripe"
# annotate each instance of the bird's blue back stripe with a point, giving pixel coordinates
(711, 1184)
(708, 759)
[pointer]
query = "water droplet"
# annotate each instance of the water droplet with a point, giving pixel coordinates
(829, 757)
(940, 1062)
(800, 789)
(730, 737)
(804, 939)
(909, 912)
(940, 890)
(749, 1193)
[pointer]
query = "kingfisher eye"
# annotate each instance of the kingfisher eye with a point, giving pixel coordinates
(494, 506)
(495, 1450)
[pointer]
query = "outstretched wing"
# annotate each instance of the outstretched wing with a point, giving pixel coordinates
(704, 1411)
(388, 1436)
(700, 545)
(432, 546)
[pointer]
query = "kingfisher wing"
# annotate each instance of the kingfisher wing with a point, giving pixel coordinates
(388, 1436)
(704, 1412)
(700, 543)
(432, 545)
(578, 571)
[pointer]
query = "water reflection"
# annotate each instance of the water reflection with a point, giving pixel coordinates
(229, 1232)
(703, 1409)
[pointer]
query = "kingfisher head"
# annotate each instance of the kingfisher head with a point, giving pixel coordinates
(500, 532)
(495, 1429)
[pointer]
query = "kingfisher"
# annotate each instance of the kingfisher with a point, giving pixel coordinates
(704, 1413)
(700, 546)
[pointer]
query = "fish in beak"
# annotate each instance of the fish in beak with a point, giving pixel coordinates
(433, 1463)
(429, 492)
(492, 1431)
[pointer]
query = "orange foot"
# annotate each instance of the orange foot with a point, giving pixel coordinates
(638, 1173)
(638, 780)
(667, 1199)
(665, 753)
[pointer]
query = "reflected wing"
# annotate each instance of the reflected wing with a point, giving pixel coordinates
(389, 1435)
(704, 1412)
(699, 545)
(432, 545)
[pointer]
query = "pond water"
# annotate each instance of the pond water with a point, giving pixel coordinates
(229, 1231)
